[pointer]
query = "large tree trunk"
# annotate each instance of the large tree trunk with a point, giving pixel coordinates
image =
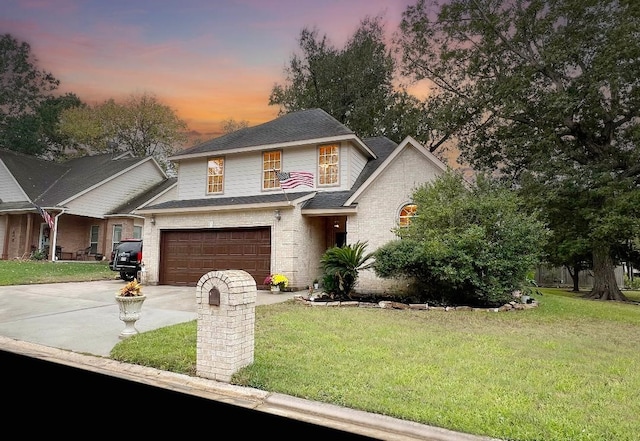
(604, 280)
(575, 276)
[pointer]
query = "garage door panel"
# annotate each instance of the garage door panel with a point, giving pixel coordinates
(185, 255)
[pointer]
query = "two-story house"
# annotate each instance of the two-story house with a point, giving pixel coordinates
(235, 209)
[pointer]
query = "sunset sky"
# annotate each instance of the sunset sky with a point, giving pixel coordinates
(209, 60)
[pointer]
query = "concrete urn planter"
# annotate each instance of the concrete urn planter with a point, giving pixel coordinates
(130, 309)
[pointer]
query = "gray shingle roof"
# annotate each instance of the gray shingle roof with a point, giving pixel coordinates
(84, 173)
(49, 183)
(295, 126)
(221, 202)
(34, 175)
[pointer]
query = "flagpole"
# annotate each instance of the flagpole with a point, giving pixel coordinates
(283, 192)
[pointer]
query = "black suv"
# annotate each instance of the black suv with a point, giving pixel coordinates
(127, 259)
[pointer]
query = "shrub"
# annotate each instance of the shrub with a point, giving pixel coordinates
(471, 244)
(38, 255)
(632, 284)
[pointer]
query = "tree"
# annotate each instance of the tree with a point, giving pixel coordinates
(470, 244)
(140, 125)
(545, 93)
(38, 134)
(23, 90)
(354, 84)
(231, 125)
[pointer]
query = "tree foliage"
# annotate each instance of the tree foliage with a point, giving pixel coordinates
(24, 91)
(545, 93)
(355, 84)
(38, 134)
(231, 125)
(141, 125)
(470, 244)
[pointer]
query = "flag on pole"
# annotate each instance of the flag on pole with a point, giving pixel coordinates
(294, 179)
(46, 216)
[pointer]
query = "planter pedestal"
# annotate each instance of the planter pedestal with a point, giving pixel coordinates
(130, 308)
(275, 288)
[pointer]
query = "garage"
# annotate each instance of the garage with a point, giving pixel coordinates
(185, 255)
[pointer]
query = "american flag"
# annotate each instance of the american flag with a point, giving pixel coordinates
(46, 216)
(293, 179)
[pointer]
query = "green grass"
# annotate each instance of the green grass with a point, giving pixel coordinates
(27, 272)
(566, 370)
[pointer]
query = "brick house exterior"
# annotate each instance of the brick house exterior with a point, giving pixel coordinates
(229, 213)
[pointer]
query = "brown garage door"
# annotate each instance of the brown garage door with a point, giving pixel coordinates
(186, 255)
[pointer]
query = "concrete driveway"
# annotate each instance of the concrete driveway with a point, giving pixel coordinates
(84, 317)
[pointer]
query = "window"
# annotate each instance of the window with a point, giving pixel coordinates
(137, 232)
(328, 164)
(215, 175)
(406, 213)
(116, 237)
(93, 241)
(271, 163)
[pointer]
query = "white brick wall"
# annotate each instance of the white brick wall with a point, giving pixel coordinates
(296, 242)
(379, 207)
(225, 332)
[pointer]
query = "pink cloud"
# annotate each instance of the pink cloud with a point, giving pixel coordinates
(206, 75)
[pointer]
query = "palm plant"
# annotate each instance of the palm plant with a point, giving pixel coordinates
(341, 265)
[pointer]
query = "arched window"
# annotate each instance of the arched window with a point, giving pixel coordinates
(406, 213)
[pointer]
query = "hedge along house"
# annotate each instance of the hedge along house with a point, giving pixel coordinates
(77, 209)
(274, 197)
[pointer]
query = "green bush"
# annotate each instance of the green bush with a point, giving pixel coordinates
(38, 255)
(632, 284)
(467, 244)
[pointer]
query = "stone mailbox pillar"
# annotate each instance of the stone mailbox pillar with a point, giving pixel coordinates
(226, 304)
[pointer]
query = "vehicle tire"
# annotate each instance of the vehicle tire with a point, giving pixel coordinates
(127, 276)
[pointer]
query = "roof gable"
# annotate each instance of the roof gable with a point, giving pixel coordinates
(408, 141)
(87, 172)
(35, 176)
(49, 183)
(139, 201)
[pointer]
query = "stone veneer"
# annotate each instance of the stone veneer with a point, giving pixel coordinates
(511, 306)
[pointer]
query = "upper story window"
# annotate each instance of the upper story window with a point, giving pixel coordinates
(406, 213)
(328, 164)
(215, 175)
(271, 163)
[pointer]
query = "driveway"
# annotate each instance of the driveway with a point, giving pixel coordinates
(84, 317)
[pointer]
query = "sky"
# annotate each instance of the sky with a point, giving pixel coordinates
(209, 60)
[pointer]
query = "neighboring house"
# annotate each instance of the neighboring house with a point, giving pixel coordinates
(90, 201)
(230, 212)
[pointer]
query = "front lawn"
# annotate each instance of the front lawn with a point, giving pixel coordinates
(27, 272)
(565, 370)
